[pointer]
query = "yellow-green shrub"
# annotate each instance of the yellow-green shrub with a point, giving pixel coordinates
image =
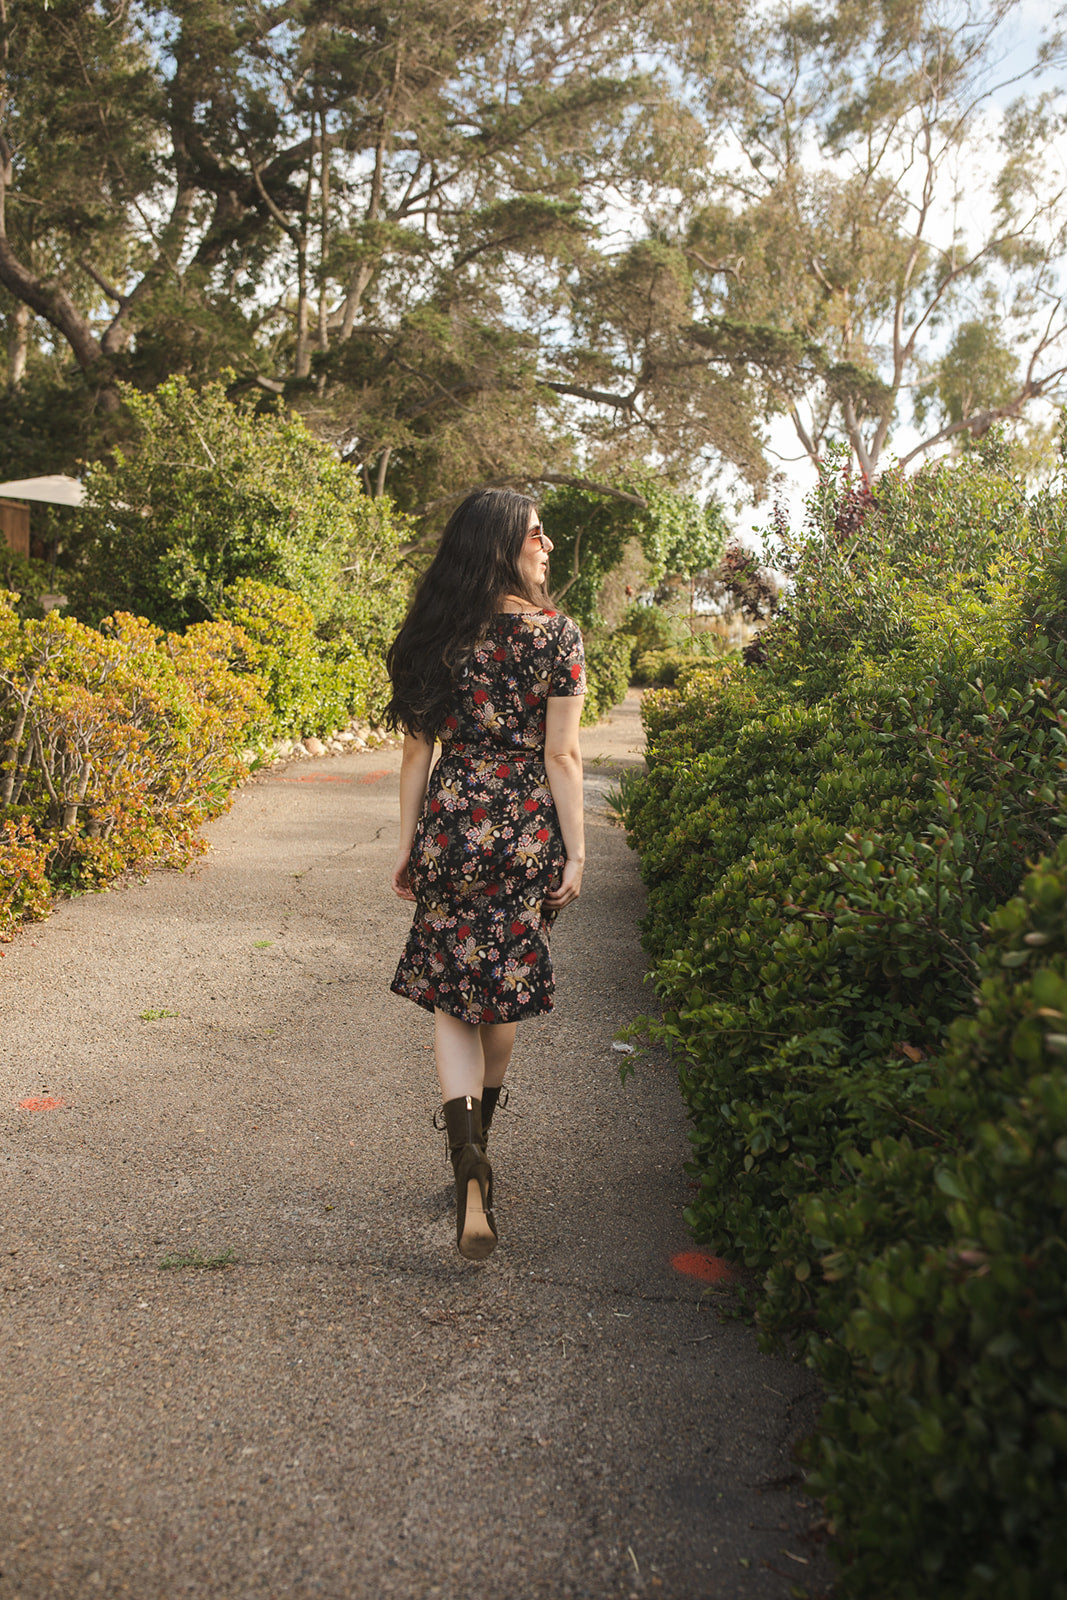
(311, 684)
(25, 892)
(116, 745)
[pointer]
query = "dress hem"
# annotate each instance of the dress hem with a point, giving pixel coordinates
(465, 1015)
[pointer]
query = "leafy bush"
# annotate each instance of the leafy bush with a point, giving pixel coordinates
(827, 835)
(937, 1302)
(310, 684)
(649, 627)
(116, 745)
(608, 673)
(27, 580)
(670, 667)
(820, 864)
(211, 493)
(25, 891)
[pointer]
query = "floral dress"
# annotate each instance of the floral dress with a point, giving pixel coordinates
(488, 845)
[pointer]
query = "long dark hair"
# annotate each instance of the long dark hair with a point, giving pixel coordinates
(476, 565)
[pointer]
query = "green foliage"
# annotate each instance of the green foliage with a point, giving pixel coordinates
(828, 280)
(116, 746)
(675, 666)
(209, 493)
(590, 532)
(607, 664)
(650, 628)
(827, 837)
(937, 1301)
(977, 371)
(28, 580)
(309, 684)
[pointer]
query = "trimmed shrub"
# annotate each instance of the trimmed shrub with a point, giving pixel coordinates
(821, 862)
(116, 745)
(937, 1304)
(608, 673)
(668, 667)
(827, 835)
(310, 684)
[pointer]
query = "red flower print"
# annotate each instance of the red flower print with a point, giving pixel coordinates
(489, 836)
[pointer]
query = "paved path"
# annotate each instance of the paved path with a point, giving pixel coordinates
(351, 1410)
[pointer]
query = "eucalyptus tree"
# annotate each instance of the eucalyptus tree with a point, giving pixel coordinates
(883, 234)
(395, 217)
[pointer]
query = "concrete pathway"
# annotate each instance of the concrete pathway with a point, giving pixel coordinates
(349, 1410)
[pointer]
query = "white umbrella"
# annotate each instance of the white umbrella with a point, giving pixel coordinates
(57, 490)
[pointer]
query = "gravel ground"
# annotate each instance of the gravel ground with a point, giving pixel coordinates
(344, 1407)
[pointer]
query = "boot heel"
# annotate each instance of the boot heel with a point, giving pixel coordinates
(475, 1224)
(477, 1238)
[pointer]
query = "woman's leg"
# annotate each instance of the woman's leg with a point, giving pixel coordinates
(470, 1057)
(461, 1071)
(457, 1048)
(498, 1041)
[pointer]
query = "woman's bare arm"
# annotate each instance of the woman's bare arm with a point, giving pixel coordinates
(414, 776)
(563, 764)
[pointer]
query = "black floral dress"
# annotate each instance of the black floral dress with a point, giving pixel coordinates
(488, 845)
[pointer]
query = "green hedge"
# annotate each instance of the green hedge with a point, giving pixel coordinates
(311, 684)
(940, 1327)
(826, 835)
(608, 672)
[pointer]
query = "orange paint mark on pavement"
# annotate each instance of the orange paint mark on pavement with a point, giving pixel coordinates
(316, 777)
(48, 1102)
(699, 1264)
(333, 777)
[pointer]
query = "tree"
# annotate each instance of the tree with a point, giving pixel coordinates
(590, 531)
(878, 229)
(210, 494)
(391, 218)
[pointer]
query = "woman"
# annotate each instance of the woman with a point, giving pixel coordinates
(492, 843)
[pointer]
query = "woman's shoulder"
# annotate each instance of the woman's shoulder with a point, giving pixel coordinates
(547, 629)
(556, 623)
(566, 630)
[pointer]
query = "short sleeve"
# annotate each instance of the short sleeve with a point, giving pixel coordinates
(568, 670)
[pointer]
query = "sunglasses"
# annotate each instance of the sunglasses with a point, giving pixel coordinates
(541, 536)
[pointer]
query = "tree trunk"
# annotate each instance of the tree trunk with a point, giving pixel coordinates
(17, 345)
